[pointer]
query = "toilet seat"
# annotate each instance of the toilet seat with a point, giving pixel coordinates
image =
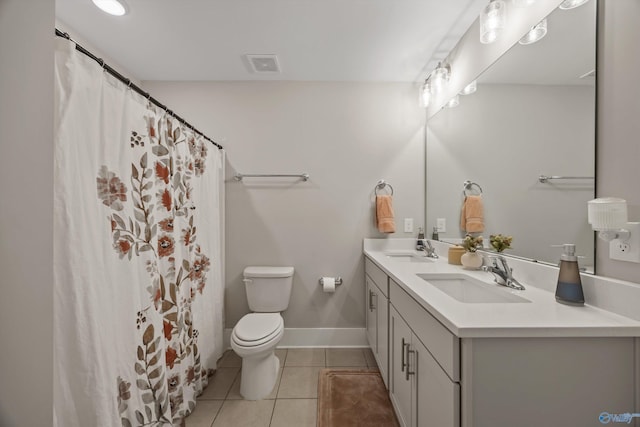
(256, 329)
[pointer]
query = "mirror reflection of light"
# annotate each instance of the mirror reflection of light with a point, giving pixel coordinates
(493, 19)
(535, 34)
(470, 88)
(426, 94)
(453, 102)
(112, 7)
(523, 3)
(571, 4)
(439, 79)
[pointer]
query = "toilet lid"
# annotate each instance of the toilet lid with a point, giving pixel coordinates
(256, 327)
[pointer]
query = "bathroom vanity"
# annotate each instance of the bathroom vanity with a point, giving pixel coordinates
(455, 349)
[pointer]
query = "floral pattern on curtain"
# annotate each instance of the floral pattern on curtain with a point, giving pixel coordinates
(162, 235)
(137, 284)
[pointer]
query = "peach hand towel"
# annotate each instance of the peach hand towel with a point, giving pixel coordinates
(384, 214)
(472, 215)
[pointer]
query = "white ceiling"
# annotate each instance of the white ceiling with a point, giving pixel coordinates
(315, 40)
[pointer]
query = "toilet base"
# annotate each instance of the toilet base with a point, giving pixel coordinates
(259, 375)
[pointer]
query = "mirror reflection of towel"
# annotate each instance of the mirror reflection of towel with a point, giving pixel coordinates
(384, 214)
(472, 215)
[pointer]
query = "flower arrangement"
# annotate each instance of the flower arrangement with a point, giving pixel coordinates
(500, 242)
(471, 244)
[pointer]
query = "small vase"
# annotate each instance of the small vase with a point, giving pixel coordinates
(471, 260)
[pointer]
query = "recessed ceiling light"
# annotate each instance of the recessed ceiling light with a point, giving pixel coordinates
(112, 7)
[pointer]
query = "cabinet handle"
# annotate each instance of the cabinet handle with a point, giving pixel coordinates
(370, 300)
(404, 353)
(402, 357)
(407, 372)
(375, 304)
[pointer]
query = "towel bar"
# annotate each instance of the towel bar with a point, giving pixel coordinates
(545, 179)
(240, 176)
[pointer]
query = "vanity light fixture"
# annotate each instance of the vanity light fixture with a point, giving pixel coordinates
(112, 7)
(571, 4)
(439, 78)
(470, 88)
(608, 216)
(535, 33)
(425, 94)
(454, 102)
(493, 20)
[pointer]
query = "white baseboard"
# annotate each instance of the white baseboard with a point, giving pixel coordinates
(316, 337)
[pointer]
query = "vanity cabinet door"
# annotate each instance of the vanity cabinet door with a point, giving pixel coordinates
(382, 355)
(422, 394)
(437, 398)
(377, 317)
(372, 315)
(399, 385)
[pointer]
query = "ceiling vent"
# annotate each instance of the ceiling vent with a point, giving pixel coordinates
(263, 63)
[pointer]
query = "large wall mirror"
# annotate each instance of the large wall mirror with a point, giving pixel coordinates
(533, 114)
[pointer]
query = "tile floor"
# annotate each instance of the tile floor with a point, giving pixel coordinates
(293, 401)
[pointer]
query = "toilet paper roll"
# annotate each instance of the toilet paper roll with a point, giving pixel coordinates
(329, 284)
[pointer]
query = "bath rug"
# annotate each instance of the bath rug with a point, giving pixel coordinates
(348, 397)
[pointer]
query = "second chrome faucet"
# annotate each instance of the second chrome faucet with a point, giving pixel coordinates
(497, 265)
(423, 245)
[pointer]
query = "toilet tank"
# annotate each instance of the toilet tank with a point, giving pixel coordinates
(268, 288)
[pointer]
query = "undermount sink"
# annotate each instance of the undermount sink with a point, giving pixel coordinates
(471, 291)
(408, 256)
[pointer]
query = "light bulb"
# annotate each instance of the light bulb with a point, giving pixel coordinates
(426, 94)
(535, 33)
(112, 7)
(439, 79)
(493, 19)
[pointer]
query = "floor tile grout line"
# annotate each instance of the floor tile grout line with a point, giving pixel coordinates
(273, 410)
(276, 398)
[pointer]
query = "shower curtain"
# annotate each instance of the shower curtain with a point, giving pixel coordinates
(137, 255)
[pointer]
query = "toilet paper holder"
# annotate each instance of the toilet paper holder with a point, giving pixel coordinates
(338, 281)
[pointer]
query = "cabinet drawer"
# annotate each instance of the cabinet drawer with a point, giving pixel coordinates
(439, 341)
(377, 275)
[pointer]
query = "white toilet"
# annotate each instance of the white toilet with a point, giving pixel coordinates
(256, 335)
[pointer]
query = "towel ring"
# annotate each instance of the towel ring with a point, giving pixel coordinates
(468, 186)
(381, 185)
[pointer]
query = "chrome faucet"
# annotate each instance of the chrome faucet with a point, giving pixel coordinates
(425, 246)
(502, 272)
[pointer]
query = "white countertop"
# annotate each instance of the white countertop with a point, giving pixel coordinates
(541, 317)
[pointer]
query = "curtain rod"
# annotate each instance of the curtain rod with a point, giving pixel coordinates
(135, 87)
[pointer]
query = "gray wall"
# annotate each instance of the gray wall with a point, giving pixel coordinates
(618, 152)
(503, 137)
(346, 136)
(26, 211)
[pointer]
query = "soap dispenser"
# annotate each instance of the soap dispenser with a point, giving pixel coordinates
(569, 289)
(420, 244)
